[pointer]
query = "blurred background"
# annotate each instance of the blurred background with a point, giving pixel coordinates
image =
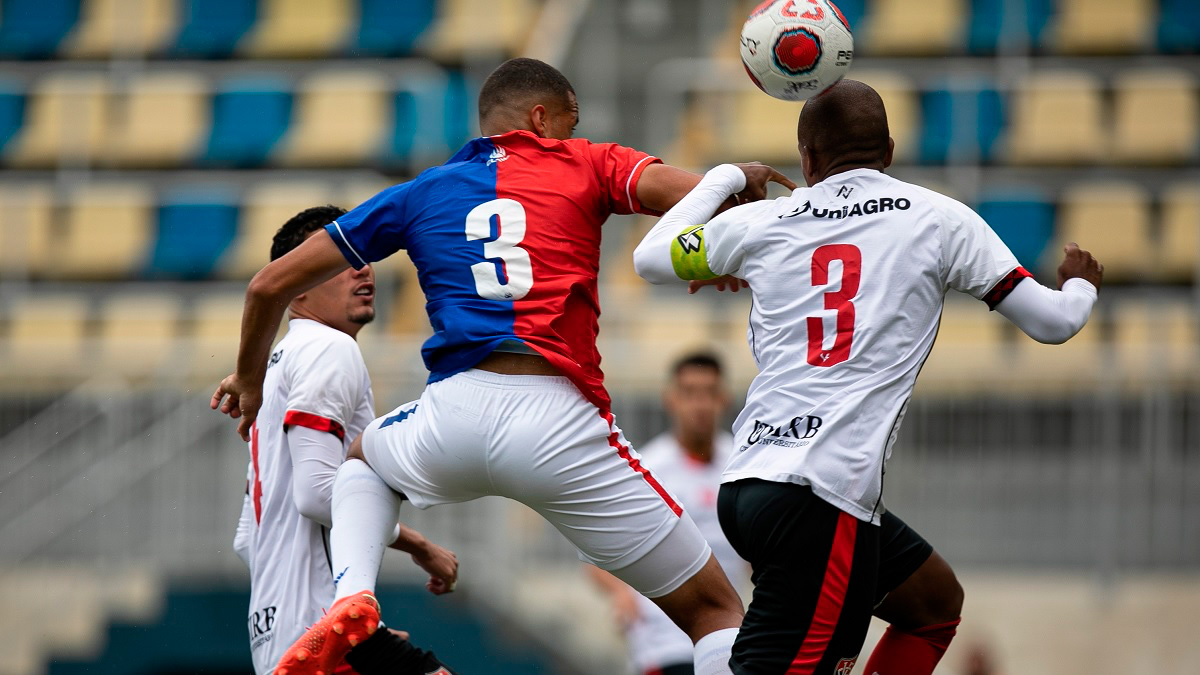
(150, 148)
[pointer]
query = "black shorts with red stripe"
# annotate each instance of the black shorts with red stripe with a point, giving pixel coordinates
(818, 574)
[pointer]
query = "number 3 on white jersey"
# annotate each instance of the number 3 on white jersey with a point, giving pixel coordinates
(515, 259)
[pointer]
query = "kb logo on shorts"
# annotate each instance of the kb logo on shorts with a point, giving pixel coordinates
(845, 666)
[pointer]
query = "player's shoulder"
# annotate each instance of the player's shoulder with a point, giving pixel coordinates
(315, 339)
(941, 203)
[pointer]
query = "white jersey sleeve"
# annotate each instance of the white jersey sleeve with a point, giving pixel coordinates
(976, 261)
(326, 384)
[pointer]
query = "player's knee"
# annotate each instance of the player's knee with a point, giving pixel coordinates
(947, 603)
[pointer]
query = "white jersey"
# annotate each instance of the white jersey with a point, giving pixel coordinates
(654, 640)
(848, 278)
(316, 378)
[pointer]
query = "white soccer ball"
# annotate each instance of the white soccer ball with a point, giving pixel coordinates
(796, 49)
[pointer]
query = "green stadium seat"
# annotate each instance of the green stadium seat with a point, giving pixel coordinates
(1103, 26)
(1180, 248)
(287, 28)
(66, 121)
(1024, 221)
(389, 28)
(165, 116)
(1057, 118)
(33, 29)
(213, 29)
(105, 232)
(1156, 117)
(12, 112)
(341, 118)
(195, 227)
(249, 116)
(961, 124)
(893, 27)
(1007, 25)
(1179, 26)
(122, 28)
(1112, 220)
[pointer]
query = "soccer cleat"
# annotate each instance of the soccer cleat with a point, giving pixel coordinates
(323, 646)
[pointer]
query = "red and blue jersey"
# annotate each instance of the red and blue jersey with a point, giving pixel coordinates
(505, 237)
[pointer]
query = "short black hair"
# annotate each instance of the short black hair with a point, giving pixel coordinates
(518, 79)
(697, 360)
(295, 231)
(847, 123)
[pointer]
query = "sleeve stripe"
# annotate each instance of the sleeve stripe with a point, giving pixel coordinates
(295, 418)
(1005, 286)
(637, 171)
(344, 244)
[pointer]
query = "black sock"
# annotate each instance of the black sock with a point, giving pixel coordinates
(385, 653)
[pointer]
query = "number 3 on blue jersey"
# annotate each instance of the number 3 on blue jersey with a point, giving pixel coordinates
(518, 269)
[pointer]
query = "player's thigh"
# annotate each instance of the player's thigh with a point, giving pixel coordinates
(423, 450)
(917, 587)
(814, 570)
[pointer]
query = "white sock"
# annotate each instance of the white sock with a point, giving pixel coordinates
(712, 652)
(365, 511)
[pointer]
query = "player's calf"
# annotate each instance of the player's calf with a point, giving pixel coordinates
(924, 613)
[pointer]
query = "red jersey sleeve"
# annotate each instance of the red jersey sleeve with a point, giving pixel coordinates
(619, 169)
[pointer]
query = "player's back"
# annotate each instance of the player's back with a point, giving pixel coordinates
(848, 279)
(506, 240)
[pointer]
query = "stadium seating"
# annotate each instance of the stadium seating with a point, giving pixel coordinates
(340, 119)
(26, 230)
(1180, 259)
(387, 28)
(195, 228)
(267, 207)
(286, 28)
(46, 336)
(893, 27)
(212, 336)
(1155, 339)
(137, 333)
(213, 29)
(162, 120)
(33, 29)
(250, 115)
(903, 109)
(1007, 26)
(1112, 220)
(961, 123)
(479, 28)
(105, 232)
(1179, 26)
(121, 28)
(1156, 118)
(1024, 220)
(1103, 26)
(1057, 118)
(12, 111)
(65, 123)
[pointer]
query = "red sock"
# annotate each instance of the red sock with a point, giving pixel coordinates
(914, 652)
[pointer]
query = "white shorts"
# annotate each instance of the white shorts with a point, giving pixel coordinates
(537, 440)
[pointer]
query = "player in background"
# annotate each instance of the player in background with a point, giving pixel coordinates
(848, 278)
(505, 237)
(688, 458)
(317, 398)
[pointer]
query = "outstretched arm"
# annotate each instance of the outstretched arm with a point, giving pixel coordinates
(1053, 317)
(440, 563)
(315, 261)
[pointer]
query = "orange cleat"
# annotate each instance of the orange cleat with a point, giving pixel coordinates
(323, 646)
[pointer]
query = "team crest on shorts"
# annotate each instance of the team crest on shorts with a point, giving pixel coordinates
(844, 666)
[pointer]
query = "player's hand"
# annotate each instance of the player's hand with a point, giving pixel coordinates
(238, 399)
(442, 566)
(757, 177)
(402, 634)
(1078, 263)
(723, 282)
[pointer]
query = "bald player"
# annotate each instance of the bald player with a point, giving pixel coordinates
(848, 278)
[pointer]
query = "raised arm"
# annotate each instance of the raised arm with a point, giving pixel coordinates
(315, 261)
(662, 186)
(1053, 317)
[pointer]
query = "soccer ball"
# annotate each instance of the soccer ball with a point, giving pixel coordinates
(796, 49)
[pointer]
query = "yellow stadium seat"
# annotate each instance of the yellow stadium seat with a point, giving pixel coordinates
(1155, 339)
(25, 229)
(265, 209)
(106, 232)
(898, 27)
(162, 122)
(1180, 250)
(46, 334)
(903, 109)
(1156, 117)
(969, 349)
(481, 27)
(1112, 220)
(215, 331)
(66, 122)
(1076, 365)
(137, 332)
(1058, 118)
(761, 129)
(122, 28)
(300, 27)
(341, 118)
(1103, 26)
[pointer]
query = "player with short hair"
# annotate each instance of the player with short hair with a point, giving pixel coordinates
(848, 278)
(505, 237)
(688, 458)
(316, 398)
